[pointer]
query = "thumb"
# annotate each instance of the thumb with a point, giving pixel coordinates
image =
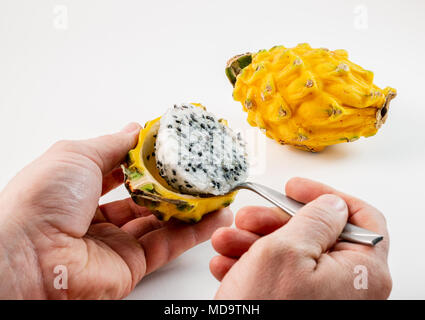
(317, 226)
(108, 151)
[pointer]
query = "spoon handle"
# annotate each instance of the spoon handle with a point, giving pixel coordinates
(350, 233)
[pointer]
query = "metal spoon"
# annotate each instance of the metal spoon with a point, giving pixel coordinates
(350, 233)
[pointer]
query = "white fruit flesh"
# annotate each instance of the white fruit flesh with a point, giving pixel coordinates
(197, 154)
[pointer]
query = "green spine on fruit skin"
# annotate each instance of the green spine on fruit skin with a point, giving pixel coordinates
(133, 173)
(235, 66)
(346, 139)
(184, 207)
(151, 205)
(227, 203)
(149, 187)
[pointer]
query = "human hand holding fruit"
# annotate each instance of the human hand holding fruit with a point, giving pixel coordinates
(51, 211)
(269, 256)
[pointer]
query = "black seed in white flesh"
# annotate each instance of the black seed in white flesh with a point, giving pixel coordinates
(198, 155)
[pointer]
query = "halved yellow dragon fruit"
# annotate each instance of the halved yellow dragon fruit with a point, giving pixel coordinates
(308, 98)
(185, 164)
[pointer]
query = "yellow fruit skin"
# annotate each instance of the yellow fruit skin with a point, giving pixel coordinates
(310, 98)
(147, 188)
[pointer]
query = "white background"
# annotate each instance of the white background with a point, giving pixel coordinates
(122, 61)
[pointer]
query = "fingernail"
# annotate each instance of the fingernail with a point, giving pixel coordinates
(133, 126)
(335, 202)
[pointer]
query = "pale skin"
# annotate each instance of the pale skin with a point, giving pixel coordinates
(50, 216)
(269, 256)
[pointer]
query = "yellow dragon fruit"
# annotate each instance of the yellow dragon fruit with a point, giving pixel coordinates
(308, 98)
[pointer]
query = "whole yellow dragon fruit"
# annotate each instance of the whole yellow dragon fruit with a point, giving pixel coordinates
(308, 98)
